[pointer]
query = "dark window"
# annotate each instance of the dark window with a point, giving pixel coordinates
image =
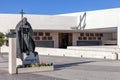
(89, 38)
(84, 38)
(35, 33)
(44, 38)
(99, 38)
(49, 38)
(101, 34)
(91, 34)
(47, 34)
(37, 38)
(96, 34)
(40, 33)
(79, 38)
(87, 34)
(81, 34)
(94, 38)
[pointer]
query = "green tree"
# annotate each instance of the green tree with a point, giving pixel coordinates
(6, 36)
(1, 40)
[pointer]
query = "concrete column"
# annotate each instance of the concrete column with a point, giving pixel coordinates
(12, 56)
(118, 29)
(118, 36)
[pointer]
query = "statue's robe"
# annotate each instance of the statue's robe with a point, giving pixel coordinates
(24, 40)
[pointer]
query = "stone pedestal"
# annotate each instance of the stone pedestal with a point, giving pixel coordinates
(32, 58)
(12, 56)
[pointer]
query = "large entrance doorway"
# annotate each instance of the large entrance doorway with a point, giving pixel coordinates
(65, 39)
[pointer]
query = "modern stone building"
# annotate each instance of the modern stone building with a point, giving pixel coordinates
(100, 27)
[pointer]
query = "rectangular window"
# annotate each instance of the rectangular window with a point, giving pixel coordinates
(44, 38)
(99, 38)
(87, 34)
(81, 34)
(89, 38)
(101, 34)
(49, 38)
(35, 33)
(47, 34)
(96, 34)
(40, 33)
(94, 38)
(79, 38)
(91, 34)
(37, 38)
(84, 38)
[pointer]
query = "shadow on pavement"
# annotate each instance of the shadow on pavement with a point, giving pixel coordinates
(57, 67)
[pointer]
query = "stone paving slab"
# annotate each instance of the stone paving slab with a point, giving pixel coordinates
(83, 69)
(68, 68)
(28, 76)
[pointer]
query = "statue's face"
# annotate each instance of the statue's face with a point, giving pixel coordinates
(24, 20)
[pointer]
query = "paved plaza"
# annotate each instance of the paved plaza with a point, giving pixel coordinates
(67, 68)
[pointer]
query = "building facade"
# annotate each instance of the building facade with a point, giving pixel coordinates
(100, 27)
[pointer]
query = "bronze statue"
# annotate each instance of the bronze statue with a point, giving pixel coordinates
(24, 40)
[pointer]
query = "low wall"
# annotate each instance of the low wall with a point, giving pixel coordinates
(95, 48)
(5, 49)
(102, 52)
(114, 49)
(76, 53)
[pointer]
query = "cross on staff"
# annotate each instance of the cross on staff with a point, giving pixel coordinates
(22, 12)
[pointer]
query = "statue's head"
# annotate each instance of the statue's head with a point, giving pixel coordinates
(24, 20)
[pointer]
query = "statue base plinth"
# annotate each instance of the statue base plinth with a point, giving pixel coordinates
(30, 59)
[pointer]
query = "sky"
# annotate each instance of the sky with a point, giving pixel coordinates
(52, 7)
